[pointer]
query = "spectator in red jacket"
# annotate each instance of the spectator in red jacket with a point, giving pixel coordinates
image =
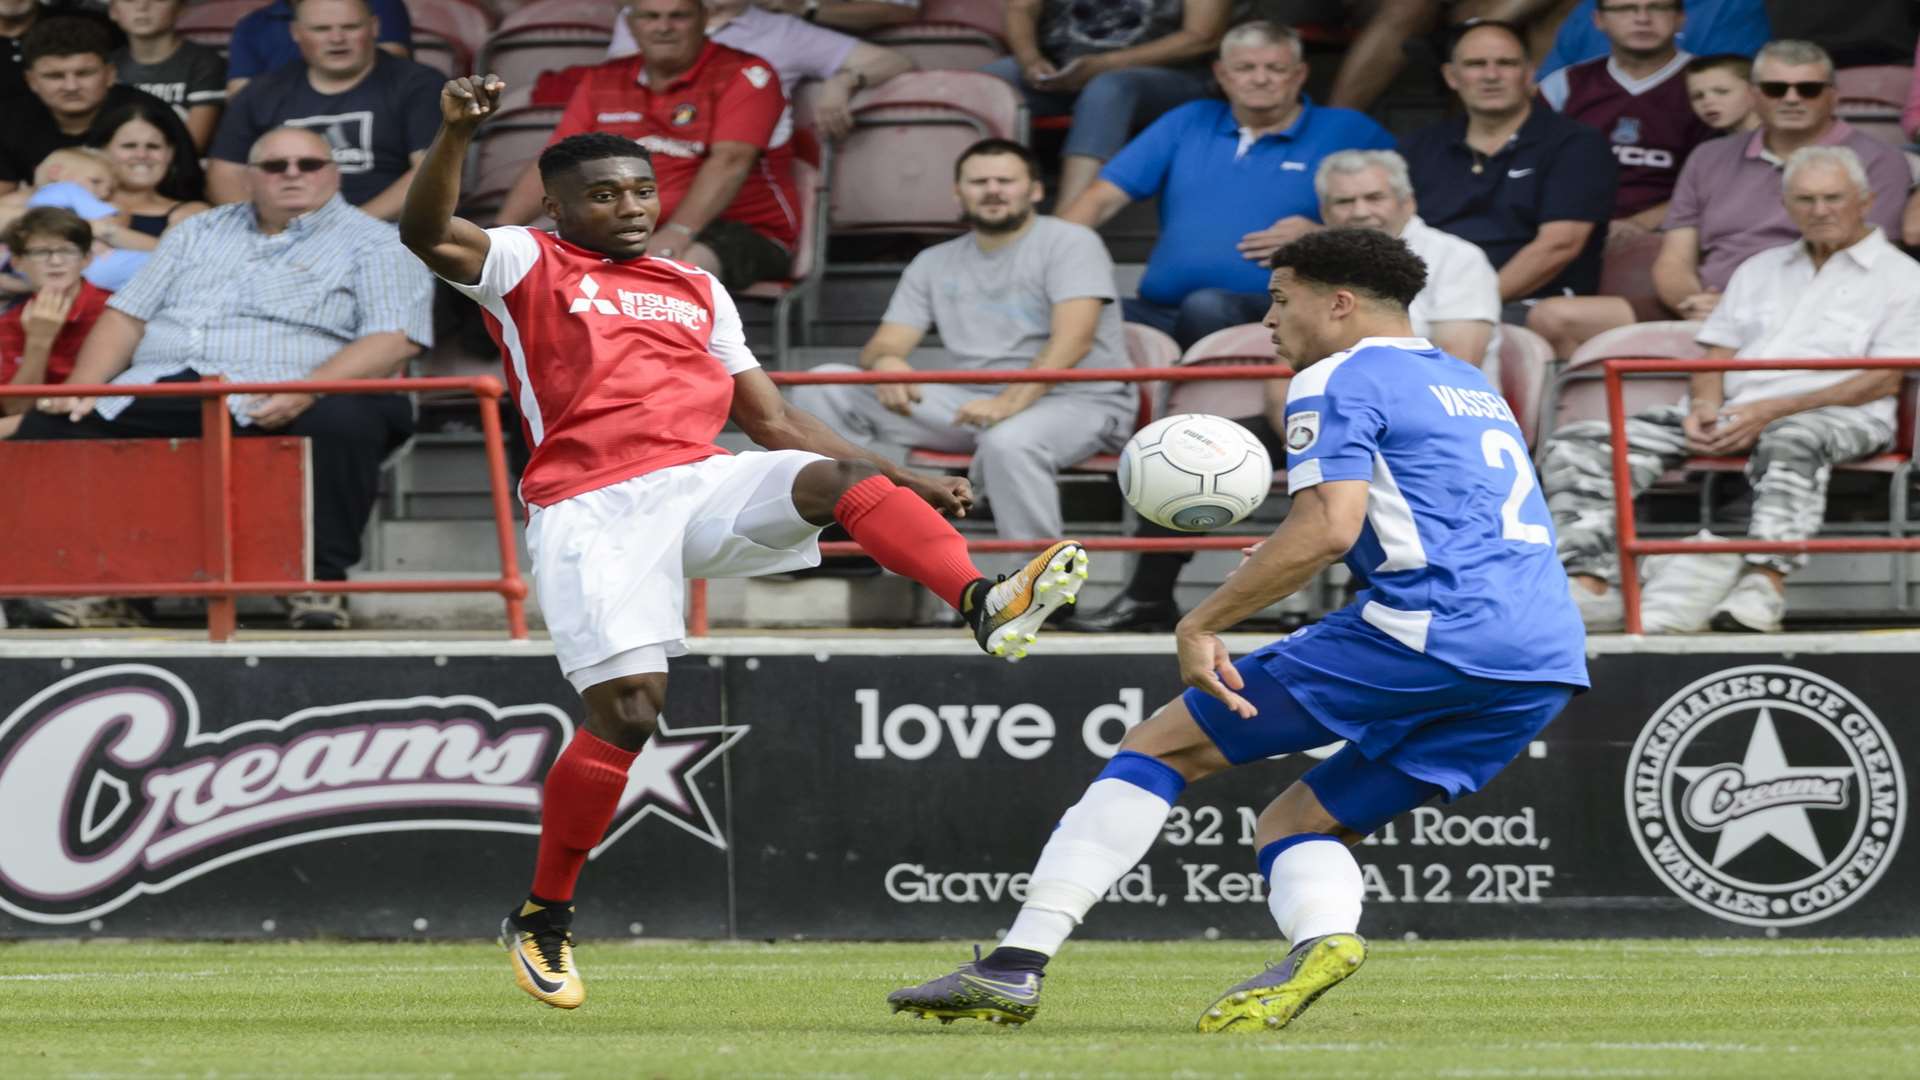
(40, 338)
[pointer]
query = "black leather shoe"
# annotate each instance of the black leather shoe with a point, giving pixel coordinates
(1123, 612)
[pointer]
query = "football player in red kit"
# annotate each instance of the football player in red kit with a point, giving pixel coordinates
(625, 367)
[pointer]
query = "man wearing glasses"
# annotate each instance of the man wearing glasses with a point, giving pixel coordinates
(292, 284)
(1737, 27)
(1726, 205)
(1636, 97)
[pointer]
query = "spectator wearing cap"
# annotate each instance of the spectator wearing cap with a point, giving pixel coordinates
(1532, 188)
(1235, 182)
(1841, 290)
(1726, 204)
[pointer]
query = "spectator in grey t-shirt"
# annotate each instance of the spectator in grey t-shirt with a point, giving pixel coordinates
(188, 76)
(1016, 292)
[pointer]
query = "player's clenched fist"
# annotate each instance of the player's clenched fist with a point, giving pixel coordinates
(466, 101)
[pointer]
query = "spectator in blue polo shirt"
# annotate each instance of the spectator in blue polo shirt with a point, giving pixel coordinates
(262, 42)
(1235, 181)
(1533, 188)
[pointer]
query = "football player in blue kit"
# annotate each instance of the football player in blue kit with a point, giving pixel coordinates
(1461, 646)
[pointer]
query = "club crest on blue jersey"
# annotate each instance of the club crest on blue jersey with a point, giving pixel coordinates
(1303, 430)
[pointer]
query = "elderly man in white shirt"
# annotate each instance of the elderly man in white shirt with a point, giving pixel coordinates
(1841, 291)
(1459, 310)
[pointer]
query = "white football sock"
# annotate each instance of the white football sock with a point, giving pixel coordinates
(1099, 839)
(1316, 889)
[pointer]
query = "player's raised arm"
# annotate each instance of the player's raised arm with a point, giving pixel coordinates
(452, 247)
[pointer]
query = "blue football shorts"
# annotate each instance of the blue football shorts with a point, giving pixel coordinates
(1416, 729)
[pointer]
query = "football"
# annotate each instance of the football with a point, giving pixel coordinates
(1194, 472)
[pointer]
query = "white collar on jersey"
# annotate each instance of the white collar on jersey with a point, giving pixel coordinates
(1392, 343)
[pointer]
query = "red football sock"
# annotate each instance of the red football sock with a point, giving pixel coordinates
(907, 536)
(576, 805)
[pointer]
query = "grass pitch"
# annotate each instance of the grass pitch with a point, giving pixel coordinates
(1839, 1008)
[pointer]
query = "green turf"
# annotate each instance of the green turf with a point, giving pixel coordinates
(1832, 1009)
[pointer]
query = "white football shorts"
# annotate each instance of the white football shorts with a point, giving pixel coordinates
(610, 566)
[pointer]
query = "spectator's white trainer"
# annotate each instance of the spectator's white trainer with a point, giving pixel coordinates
(1754, 606)
(317, 611)
(1681, 591)
(1603, 613)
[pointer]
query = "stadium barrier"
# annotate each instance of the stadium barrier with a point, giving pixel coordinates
(214, 577)
(1615, 371)
(890, 786)
(697, 620)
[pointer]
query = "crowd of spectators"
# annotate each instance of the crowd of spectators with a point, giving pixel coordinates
(1579, 132)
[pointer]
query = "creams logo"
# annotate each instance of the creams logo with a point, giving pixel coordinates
(1766, 795)
(111, 786)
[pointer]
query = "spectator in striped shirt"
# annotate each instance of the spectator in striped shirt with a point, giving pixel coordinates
(292, 284)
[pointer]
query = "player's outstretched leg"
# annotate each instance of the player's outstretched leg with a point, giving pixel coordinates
(1006, 616)
(578, 801)
(907, 536)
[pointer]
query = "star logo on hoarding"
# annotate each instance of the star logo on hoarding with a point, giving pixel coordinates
(661, 782)
(1778, 794)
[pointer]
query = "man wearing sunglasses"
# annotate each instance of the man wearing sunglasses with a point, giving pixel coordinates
(292, 284)
(1726, 205)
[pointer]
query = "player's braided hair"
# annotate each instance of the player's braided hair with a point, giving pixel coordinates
(576, 150)
(1364, 260)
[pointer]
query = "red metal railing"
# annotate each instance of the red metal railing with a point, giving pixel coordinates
(697, 598)
(1631, 545)
(217, 499)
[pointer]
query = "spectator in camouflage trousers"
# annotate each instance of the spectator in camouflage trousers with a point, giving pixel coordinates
(1843, 290)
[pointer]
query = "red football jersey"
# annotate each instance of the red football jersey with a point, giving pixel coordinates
(86, 310)
(727, 96)
(618, 368)
(1648, 123)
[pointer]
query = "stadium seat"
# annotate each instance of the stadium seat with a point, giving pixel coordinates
(546, 36)
(449, 34)
(950, 35)
(1578, 392)
(1249, 343)
(810, 166)
(1626, 268)
(1871, 99)
(210, 22)
(894, 172)
(503, 148)
(1526, 366)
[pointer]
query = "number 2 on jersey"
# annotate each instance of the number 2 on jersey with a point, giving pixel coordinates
(1502, 450)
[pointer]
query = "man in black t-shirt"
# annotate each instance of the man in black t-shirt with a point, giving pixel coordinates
(377, 111)
(70, 80)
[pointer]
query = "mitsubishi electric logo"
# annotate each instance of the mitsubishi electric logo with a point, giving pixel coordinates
(113, 786)
(589, 300)
(641, 306)
(1766, 795)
